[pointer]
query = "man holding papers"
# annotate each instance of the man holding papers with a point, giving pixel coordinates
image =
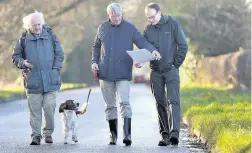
(109, 57)
(166, 35)
(141, 56)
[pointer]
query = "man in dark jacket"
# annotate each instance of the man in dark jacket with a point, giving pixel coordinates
(166, 35)
(114, 65)
(39, 53)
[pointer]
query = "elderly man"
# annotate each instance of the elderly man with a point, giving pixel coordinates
(165, 33)
(39, 53)
(114, 66)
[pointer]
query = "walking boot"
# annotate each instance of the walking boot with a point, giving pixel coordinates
(165, 140)
(35, 140)
(113, 131)
(127, 131)
(174, 139)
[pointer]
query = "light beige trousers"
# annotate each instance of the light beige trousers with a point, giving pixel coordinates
(112, 92)
(37, 102)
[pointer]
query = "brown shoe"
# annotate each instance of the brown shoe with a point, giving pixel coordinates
(35, 140)
(48, 139)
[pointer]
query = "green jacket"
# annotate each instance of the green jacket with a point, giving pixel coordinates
(46, 55)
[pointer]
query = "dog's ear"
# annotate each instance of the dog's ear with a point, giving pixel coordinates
(62, 107)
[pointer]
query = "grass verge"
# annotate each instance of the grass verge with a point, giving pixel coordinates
(18, 91)
(222, 117)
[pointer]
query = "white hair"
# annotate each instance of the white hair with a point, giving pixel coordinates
(114, 8)
(27, 19)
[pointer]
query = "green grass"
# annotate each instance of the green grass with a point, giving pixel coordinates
(4, 94)
(67, 86)
(196, 95)
(11, 91)
(222, 117)
(234, 141)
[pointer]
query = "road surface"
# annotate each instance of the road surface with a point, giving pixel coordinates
(93, 128)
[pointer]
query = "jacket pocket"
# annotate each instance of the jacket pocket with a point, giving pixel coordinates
(55, 77)
(123, 69)
(31, 81)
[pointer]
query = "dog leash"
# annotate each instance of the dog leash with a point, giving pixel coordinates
(85, 105)
(24, 74)
(89, 95)
(96, 73)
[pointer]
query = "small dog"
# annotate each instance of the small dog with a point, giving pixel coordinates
(69, 113)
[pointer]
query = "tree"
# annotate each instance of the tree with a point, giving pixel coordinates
(56, 16)
(217, 27)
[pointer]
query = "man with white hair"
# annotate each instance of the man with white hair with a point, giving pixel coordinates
(39, 53)
(114, 66)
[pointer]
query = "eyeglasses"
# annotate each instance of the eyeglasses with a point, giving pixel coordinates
(152, 17)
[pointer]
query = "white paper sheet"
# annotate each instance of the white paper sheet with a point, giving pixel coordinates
(141, 55)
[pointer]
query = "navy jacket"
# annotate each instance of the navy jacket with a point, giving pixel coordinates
(169, 39)
(109, 50)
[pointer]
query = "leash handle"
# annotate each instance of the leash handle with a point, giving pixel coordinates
(96, 74)
(89, 94)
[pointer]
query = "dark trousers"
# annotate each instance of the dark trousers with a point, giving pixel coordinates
(165, 88)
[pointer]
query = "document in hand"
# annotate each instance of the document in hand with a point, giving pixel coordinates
(141, 55)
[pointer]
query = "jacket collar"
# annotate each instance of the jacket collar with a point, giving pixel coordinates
(163, 20)
(44, 35)
(115, 25)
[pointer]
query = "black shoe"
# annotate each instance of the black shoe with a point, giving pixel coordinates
(127, 142)
(74, 138)
(113, 131)
(48, 139)
(112, 140)
(35, 140)
(174, 141)
(165, 140)
(127, 131)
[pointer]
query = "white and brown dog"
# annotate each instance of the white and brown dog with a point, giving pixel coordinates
(69, 115)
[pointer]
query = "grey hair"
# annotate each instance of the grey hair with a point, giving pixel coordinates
(114, 8)
(27, 19)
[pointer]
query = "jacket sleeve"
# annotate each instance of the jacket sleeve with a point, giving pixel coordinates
(182, 48)
(96, 50)
(18, 55)
(58, 53)
(141, 42)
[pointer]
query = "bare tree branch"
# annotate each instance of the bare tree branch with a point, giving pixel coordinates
(67, 8)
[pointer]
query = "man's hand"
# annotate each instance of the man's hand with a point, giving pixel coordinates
(156, 55)
(58, 69)
(95, 67)
(27, 64)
